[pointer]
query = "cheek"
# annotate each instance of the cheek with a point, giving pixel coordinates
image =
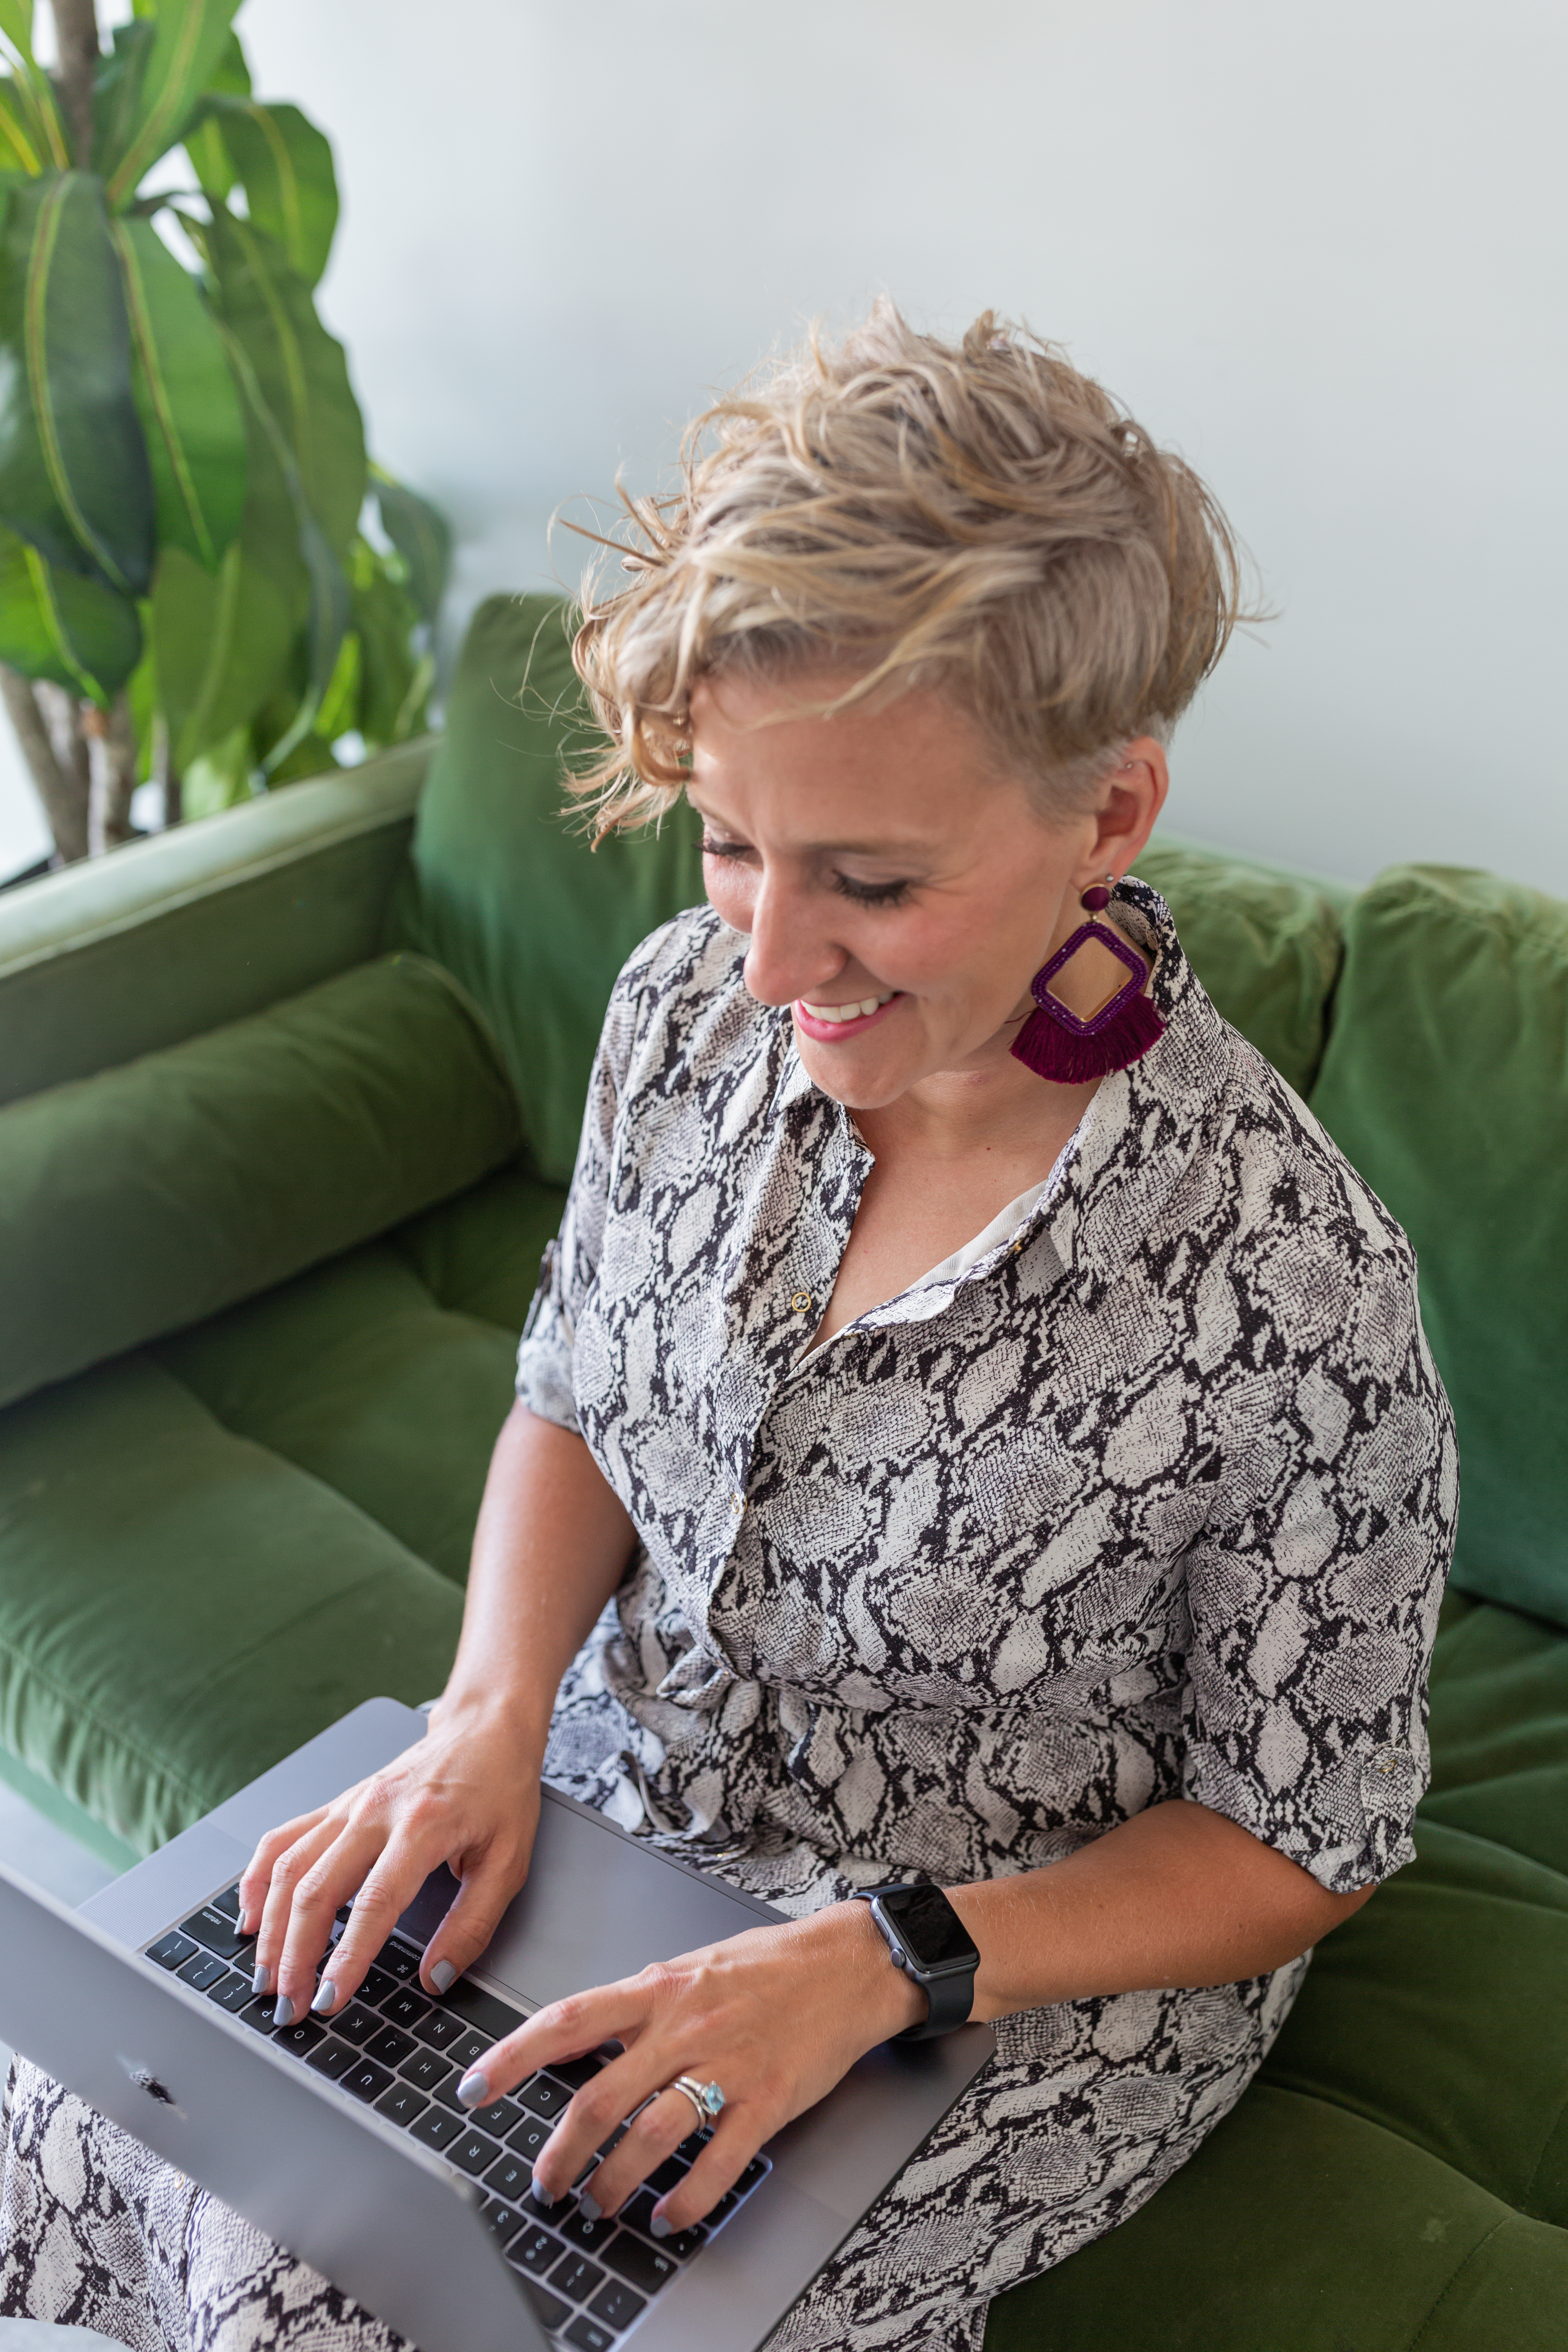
(732, 891)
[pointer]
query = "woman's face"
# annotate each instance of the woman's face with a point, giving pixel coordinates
(899, 887)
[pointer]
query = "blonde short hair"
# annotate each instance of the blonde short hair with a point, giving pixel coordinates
(976, 518)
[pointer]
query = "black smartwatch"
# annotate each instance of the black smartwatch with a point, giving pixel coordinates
(931, 1945)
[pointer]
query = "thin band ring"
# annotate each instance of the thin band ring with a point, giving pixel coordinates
(706, 2097)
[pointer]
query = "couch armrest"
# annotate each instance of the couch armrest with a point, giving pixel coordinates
(170, 937)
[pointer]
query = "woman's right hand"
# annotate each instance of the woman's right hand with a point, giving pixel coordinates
(467, 1794)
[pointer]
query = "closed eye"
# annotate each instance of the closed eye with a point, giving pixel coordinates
(871, 894)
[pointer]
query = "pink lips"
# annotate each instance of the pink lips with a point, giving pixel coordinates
(834, 1032)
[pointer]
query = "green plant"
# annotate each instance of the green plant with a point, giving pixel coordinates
(186, 586)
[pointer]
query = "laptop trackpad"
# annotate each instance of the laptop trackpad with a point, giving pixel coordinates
(597, 1906)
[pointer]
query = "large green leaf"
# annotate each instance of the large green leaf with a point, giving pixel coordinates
(18, 147)
(117, 89)
(301, 370)
(74, 475)
(16, 24)
(186, 398)
(61, 626)
(224, 647)
(189, 38)
(285, 165)
(210, 159)
(421, 537)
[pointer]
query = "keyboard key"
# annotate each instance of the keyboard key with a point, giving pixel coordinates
(544, 2095)
(472, 2152)
(435, 2128)
(332, 2059)
(376, 1986)
(173, 1951)
(300, 2038)
(402, 2105)
(510, 2178)
(535, 2251)
(227, 1902)
(498, 2118)
(576, 2277)
(616, 2303)
(548, 2309)
(503, 2221)
(357, 2024)
(427, 2071)
(467, 2050)
(585, 2235)
(528, 2139)
(259, 2013)
(588, 2334)
(232, 1993)
(638, 2214)
(219, 1934)
(669, 2173)
(405, 2007)
(647, 2266)
(440, 2029)
(391, 2046)
(203, 1972)
(576, 2072)
(400, 1960)
(366, 2080)
(758, 2170)
(493, 2018)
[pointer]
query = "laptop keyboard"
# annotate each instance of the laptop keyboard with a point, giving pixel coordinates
(402, 2051)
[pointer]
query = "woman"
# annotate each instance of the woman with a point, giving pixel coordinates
(958, 1440)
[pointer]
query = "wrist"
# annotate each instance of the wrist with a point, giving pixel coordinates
(503, 1718)
(889, 2001)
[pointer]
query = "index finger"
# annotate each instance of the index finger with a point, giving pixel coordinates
(562, 2031)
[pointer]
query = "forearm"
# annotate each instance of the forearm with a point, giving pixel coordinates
(551, 1543)
(1178, 1895)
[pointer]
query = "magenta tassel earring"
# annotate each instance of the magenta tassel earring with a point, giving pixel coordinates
(1055, 1044)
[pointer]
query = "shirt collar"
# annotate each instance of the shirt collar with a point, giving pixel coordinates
(1138, 1135)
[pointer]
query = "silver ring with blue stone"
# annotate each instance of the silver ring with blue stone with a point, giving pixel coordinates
(706, 2097)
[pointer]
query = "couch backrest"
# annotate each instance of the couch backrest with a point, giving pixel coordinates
(1446, 1081)
(504, 888)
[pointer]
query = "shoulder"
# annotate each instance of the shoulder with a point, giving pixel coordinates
(680, 1005)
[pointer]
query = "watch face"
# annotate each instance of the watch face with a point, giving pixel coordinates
(936, 1935)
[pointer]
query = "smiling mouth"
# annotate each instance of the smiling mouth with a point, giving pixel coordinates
(861, 1009)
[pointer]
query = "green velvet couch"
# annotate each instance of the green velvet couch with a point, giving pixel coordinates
(287, 1102)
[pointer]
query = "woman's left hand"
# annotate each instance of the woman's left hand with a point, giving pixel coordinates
(776, 2017)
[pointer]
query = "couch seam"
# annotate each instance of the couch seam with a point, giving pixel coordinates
(88, 1710)
(1479, 2247)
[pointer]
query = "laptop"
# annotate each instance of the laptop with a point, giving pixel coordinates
(342, 2138)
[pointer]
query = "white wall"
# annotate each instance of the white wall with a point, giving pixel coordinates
(1320, 249)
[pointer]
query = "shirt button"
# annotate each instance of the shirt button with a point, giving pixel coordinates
(737, 1506)
(800, 1302)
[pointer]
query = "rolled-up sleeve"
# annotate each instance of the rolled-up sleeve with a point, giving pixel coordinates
(571, 1264)
(1314, 1595)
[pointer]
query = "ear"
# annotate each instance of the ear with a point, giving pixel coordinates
(1128, 801)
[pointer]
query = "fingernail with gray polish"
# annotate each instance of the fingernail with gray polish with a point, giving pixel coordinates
(474, 2090)
(326, 1996)
(589, 2207)
(443, 1976)
(660, 2227)
(283, 2014)
(540, 2194)
(261, 1982)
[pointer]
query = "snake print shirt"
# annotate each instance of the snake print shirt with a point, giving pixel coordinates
(1154, 1498)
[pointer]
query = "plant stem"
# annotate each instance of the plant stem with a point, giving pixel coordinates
(62, 790)
(75, 32)
(166, 776)
(111, 750)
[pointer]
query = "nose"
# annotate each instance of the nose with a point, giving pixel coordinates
(791, 954)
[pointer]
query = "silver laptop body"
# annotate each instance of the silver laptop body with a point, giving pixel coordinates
(393, 2223)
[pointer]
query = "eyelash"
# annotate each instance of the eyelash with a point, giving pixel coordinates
(864, 894)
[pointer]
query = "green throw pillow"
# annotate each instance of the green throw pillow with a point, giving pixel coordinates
(1445, 1082)
(505, 890)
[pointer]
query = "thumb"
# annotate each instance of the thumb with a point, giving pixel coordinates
(475, 1913)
